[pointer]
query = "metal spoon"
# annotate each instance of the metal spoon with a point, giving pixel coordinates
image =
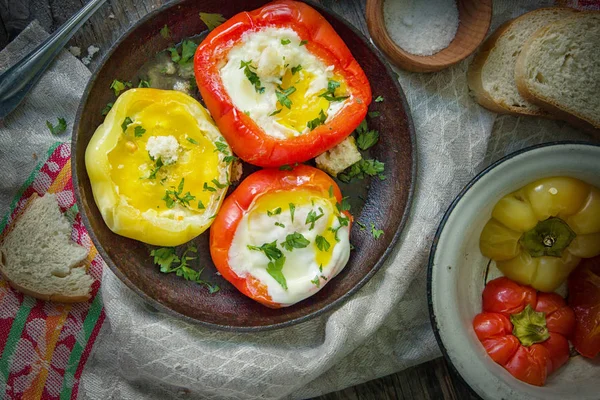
(16, 82)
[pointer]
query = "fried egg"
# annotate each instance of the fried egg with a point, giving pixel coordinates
(274, 61)
(158, 167)
(309, 263)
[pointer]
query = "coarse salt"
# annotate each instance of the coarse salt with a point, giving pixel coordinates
(421, 27)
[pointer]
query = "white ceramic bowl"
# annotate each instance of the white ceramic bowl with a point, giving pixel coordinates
(457, 270)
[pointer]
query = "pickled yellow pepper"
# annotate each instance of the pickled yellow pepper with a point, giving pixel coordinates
(538, 234)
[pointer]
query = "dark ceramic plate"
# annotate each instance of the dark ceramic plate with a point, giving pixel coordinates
(384, 203)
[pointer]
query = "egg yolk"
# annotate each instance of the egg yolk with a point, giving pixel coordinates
(305, 108)
(279, 201)
(142, 180)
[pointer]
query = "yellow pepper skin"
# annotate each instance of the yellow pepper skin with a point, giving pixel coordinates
(163, 200)
(538, 234)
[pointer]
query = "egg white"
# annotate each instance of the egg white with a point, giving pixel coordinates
(270, 57)
(300, 267)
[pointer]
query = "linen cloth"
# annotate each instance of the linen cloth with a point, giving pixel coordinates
(384, 328)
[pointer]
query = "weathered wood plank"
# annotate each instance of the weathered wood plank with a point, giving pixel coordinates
(431, 380)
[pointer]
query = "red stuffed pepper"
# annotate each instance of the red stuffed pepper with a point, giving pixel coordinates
(281, 84)
(584, 297)
(282, 235)
(523, 330)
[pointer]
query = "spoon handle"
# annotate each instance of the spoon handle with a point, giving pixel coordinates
(16, 82)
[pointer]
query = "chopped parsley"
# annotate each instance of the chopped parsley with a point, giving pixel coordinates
(344, 205)
(139, 131)
(126, 122)
(292, 210)
(295, 241)
(188, 49)
(159, 164)
(366, 138)
(374, 114)
(286, 167)
(208, 188)
(282, 96)
(320, 120)
(219, 184)
(329, 94)
(192, 140)
(252, 76)
(285, 42)
(379, 99)
(362, 226)
(175, 57)
(144, 83)
(59, 128)
(279, 224)
(107, 108)
(296, 69)
(322, 243)
(229, 159)
(361, 169)
(212, 20)
(303, 42)
(275, 112)
(331, 191)
(276, 211)
(174, 196)
(376, 232)
(165, 32)
(117, 86)
(201, 205)
(169, 262)
(312, 217)
(316, 281)
(276, 261)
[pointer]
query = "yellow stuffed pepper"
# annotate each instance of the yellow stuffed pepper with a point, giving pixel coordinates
(158, 166)
(538, 234)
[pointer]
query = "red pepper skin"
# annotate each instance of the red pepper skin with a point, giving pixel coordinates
(240, 201)
(244, 136)
(584, 297)
(503, 297)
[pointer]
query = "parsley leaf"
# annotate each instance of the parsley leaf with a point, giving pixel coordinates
(165, 32)
(376, 232)
(344, 205)
(379, 99)
(295, 241)
(173, 196)
(286, 167)
(374, 114)
(360, 169)
(292, 210)
(201, 205)
(144, 83)
(139, 131)
(175, 57)
(362, 226)
(117, 86)
(207, 188)
(296, 69)
(367, 140)
(282, 96)
(322, 243)
(165, 257)
(59, 128)
(331, 191)
(329, 94)
(229, 159)
(279, 224)
(192, 140)
(221, 147)
(107, 108)
(159, 164)
(275, 112)
(276, 211)
(126, 122)
(274, 268)
(270, 250)
(312, 217)
(320, 120)
(303, 42)
(212, 20)
(188, 49)
(219, 184)
(252, 76)
(316, 281)
(285, 42)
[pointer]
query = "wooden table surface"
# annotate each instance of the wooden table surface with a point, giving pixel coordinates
(432, 380)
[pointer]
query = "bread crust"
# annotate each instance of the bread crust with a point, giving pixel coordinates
(548, 104)
(474, 73)
(59, 298)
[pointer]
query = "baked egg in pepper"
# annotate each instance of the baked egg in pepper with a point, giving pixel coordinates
(158, 166)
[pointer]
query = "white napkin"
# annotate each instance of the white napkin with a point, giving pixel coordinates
(384, 328)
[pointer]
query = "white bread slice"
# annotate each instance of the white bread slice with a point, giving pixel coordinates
(559, 69)
(491, 74)
(337, 159)
(38, 258)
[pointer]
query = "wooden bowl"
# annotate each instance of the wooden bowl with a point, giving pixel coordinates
(385, 203)
(475, 17)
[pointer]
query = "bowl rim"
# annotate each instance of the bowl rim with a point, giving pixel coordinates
(438, 233)
(233, 328)
(414, 62)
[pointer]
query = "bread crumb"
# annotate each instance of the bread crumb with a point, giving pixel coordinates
(182, 86)
(91, 51)
(111, 16)
(339, 158)
(236, 171)
(163, 147)
(76, 51)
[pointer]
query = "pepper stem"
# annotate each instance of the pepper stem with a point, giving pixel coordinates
(529, 326)
(548, 238)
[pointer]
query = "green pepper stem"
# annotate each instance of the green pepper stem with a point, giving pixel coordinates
(529, 326)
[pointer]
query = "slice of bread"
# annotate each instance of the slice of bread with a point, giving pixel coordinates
(337, 159)
(559, 69)
(38, 257)
(491, 74)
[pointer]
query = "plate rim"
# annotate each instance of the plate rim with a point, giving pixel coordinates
(235, 328)
(441, 226)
